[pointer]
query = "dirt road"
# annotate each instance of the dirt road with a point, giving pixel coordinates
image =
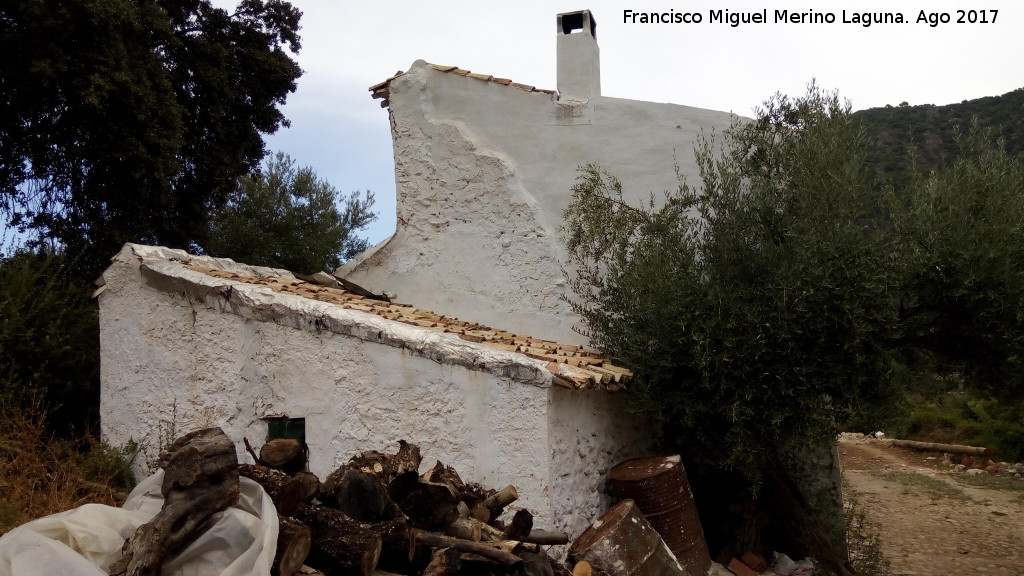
(933, 520)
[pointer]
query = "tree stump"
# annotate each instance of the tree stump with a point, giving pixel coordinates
(200, 479)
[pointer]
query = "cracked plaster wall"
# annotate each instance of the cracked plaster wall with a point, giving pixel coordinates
(483, 172)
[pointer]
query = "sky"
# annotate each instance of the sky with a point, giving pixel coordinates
(348, 46)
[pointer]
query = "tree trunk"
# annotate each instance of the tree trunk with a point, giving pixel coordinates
(948, 448)
(200, 479)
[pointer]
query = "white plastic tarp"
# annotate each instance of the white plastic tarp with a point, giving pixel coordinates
(85, 541)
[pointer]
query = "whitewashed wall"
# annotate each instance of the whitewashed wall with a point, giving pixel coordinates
(182, 350)
(483, 173)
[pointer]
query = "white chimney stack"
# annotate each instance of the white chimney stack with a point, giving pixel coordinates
(579, 60)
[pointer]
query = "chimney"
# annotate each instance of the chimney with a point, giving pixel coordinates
(579, 60)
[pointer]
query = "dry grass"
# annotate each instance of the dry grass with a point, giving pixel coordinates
(42, 475)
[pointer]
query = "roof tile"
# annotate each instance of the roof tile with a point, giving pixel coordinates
(382, 89)
(572, 366)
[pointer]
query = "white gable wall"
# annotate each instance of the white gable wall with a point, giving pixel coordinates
(483, 173)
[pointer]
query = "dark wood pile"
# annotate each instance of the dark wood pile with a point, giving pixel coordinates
(378, 514)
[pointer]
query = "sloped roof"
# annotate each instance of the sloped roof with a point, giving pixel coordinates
(383, 89)
(582, 367)
(270, 294)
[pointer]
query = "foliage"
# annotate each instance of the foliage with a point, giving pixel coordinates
(961, 258)
(930, 132)
(755, 312)
(287, 217)
(49, 336)
(863, 544)
(129, 120)
(957, 415)
(43, 474)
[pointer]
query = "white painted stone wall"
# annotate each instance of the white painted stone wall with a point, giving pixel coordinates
(182, 350)
(483, 173)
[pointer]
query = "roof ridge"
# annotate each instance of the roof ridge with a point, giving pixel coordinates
(383, 89)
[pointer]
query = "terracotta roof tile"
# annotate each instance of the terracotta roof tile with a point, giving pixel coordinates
(382, 89)
(573, 366)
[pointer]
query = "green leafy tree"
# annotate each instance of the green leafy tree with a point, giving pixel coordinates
(49, 337)
(287, 217)
(963, 265)
(755, 310)
(130, 120)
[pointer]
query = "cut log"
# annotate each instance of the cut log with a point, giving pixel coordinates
(293, 542)
(358, 494)
(287, 493)
(310, 484)
(341, 545)
(287, 454)
(427, 504)
(948, 448)
(337, 538)
(494, 504)
(386, 466)
(200, 479)
(445, 562)
(474, 530)
(546, 538)
(582, 568)
(495, 552)
(520, 526)
(536, 564)
(448, 476)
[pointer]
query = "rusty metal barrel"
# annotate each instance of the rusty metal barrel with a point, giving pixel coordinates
(623, 543)
(660, 489)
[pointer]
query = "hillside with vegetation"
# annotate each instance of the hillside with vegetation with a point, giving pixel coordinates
(931, 130)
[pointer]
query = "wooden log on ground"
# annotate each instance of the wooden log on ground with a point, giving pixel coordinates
(495, 551)
(448, 476)
(948, 448)
(287, 493)
(310, 483)
(200, 479)
(294, 540)
(287, 454)
(341, 545)
(520, 526)
(339, 540)
(494, 504)
(358, 494)
(536, 564)
(472, 529)
(386, 466)
(427, 504)
(445, 562)
(546, 538)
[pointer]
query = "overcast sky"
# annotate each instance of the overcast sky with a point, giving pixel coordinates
(347, 46)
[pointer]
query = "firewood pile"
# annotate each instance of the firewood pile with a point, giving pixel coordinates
(378, 514)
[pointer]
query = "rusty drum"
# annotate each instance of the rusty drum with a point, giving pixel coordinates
(660, 489)
(622, 543)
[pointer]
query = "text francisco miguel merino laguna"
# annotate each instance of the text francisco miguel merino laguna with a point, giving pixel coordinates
(865, 19)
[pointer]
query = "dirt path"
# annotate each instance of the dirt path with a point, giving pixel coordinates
(930, 520)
